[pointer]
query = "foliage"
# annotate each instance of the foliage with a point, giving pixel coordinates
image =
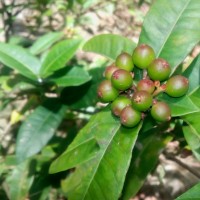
(69, 146)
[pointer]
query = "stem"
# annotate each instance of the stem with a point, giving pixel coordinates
(159, 90)
(144, 73)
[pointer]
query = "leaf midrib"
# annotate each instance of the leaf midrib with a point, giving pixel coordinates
(44, 121)
(45, 69)
(182, 107)
(45, 42)
(194, 130)
(170, 30)
(76, 77)
(21, 183)
(101, 157)
(15, 60)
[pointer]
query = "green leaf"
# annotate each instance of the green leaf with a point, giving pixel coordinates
(58, 56)
(193, 74)
(19, 59)
(44, 42)
(193, 121)
(92, 179)
(192, 133)
(19, 182)
(38, 129)
(179, 106)
(193, 141)
(172, 28)
(192, 194)
(195, 97)
(109, 45)
(145, 157)
(75, 156)
(71, 76)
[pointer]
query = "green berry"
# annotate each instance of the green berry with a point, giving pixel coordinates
(142, 56)
(109, 71)
(161, 112)
(177, 86)
(119, 104)
(124, 61)
(121, 79)
(142, 100)
(146, 85)
(106, 92)
(130, 117)
(159, 70)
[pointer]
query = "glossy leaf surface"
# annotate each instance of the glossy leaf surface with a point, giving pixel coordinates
(38, 128)
(172, 28)
(108, 169)
(58, 56)
(109, 45)
(180, 106)
(44, 42)
(192, 194)
(19, 59)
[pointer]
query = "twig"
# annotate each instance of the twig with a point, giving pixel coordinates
(192, 171)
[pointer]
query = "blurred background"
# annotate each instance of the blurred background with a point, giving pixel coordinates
(29, 19)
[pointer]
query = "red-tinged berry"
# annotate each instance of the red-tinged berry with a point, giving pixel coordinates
(146, 85)
(121, 79)
(142, 100)
(119, 104)
(124, 61)
(110, 70)
(161, 112)
(177, 86)
(106, 92)
(130, 117)
(159, 70)
(143, 55)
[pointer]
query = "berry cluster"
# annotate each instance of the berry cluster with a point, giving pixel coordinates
(131, 100)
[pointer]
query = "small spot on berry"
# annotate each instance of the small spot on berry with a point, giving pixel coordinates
(100, 94)
(154, 101)
(116, 75)
(137, 99)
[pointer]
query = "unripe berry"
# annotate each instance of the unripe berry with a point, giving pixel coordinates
(142, 100)
(106, 92)
(130, 117)
(143, 55)
(121, 79)
(124, 61)
(159, 69)
(161, 112)
(109, 71)
(146, 85)
(177, 86)
(119, 104)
